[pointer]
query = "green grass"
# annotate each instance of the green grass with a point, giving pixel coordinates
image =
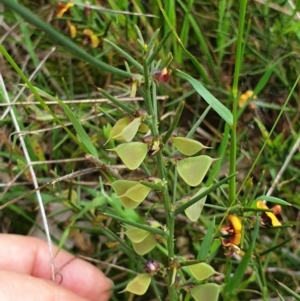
(221, 50)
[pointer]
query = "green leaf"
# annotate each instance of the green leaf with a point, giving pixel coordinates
(174, 123)
(186, 146)
(138, 285)
(120, 187)
(143, 128)
(81, 133)
(132, 154)
(209, 292)
(131, 129)
(194, 211)
(128, 203)
(201, 271)
(264, 79)
(137, 193)
(272, 199)
(207, 241)
(288, 290)
(118, 127)
(125, 129)
(136, 235)
(221, 110)
(84, 138)
(145, 246)
(193, 170)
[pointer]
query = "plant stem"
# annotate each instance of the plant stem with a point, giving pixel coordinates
(150, 99)
(238, 62)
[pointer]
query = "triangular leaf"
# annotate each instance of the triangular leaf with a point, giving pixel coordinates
(201, 271)
(131, 129)
(117, 129)
(132, 154)
(120, 187)
(193, 170)
(143, 128)
(125, 129)
(208, 291)
(186, 146)
(145, 246)
(138, 192)
(136, 235)
(128, 203)
(193, 212)
(138, 285)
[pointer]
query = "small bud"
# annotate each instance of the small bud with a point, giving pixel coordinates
(160, 76)
(276, 209)
(136, 81)
(141, 113)
(152, 266)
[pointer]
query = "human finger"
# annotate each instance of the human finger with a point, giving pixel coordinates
(29, 255)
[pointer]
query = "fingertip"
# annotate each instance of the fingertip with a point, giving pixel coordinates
(28, 255)
(15, 286)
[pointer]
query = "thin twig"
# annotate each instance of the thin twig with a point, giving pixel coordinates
(32, 76)
(112, 11)
(284, 166)
(74, 101)
(34, 179)
(279, 8)
(53, 182)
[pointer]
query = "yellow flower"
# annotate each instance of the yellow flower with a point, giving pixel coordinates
(63, 8)
(93, 39)
(234, 230)
(269, 218)
(72, 29)
(244, 98)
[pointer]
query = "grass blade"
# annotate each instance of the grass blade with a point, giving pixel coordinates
(84, 140)
(63, 40)
(222, 111)
(273, 199)
(207, 241)
(288, 290)
(126, 56)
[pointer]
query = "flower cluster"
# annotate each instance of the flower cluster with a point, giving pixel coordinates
(234, 230)
(88, 36)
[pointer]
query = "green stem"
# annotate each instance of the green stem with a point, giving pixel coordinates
(202, 195)
(185, 51)
(238, 62)
(137, 225)
(148, 101)
(174, 123)
(116, 102)
(163, 175)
